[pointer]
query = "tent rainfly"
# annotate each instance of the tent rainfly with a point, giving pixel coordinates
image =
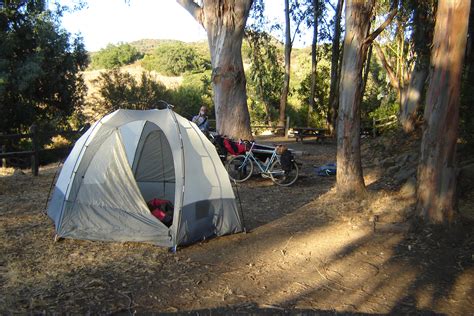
(129, 157)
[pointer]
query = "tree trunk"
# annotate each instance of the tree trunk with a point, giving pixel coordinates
(437, 169)
(422, 37)
(413, 96)
(396, 77)
(286, 81)
(392, 75)
(314, 61)
(366, 70)
(334, 86)
(224, 22)
(349, 167)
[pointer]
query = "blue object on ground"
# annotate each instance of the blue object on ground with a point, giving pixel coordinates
(327, 170)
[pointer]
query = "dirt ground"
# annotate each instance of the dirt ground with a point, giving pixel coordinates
(305, 251)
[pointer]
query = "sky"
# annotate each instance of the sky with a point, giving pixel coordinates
(113, 21)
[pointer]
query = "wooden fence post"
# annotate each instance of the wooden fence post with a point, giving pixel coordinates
(4, 150)
(374, 127)
(4, 160)
(35, 143)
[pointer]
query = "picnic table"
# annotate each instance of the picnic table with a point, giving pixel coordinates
(302, 132)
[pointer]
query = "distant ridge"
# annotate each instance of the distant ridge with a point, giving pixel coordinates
(147, 45)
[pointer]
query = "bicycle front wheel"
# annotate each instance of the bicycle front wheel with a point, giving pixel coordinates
(238, 169)
(282, 177)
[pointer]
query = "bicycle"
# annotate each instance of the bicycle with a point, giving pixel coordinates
(241, 167)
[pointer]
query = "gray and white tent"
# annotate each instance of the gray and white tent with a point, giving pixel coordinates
(129, 157)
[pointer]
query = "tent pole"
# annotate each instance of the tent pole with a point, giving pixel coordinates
(240, 203)
(178, 218)
(51, 186)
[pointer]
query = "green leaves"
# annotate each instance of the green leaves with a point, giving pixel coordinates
(115, 56)
(266, 71)
(175, 59)
(120, 89)
(39, 67)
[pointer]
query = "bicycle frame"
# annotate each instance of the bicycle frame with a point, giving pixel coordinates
(262, 166)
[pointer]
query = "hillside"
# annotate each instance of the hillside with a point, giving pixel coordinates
(300, 62)
(135, 70)
(190, 62)
(147, 46)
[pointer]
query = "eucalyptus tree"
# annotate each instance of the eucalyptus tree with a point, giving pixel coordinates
(357, 39)
(422, 35)
(335, 67)
(407, 64)
(436, 191)
(224, 22)
(317, 9)
(265, 73)
(298, 13)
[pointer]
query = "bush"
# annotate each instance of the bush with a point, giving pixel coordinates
(174, 59)
(115, 56)
(121, 90)
(187, 100)
(320, 112)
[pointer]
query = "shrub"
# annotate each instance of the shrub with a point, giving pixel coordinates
(174, 59)
(121, 90)
(115, 56)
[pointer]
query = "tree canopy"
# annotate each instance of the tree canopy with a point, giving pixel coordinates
(40, 66)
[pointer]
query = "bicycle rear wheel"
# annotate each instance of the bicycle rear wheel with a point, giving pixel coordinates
(238, 170)
(282, 177)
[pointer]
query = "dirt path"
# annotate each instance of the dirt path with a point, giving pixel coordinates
(306, 251)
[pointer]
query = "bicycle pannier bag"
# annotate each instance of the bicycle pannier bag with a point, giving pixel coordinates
(234, 148)
(286, 160)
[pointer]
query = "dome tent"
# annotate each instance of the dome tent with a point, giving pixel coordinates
(129, 157)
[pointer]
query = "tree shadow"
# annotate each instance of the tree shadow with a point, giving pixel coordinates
(431, 266)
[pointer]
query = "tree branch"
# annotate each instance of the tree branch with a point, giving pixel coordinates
(388, 68)
(332, 6)
(193, 8)
(296, 32)
(369, 39)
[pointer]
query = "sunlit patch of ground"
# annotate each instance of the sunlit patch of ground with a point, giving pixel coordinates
(6, 171)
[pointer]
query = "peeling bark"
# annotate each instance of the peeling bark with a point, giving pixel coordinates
(350, 179)
(413, 96)
(437, 169)
(224, 22)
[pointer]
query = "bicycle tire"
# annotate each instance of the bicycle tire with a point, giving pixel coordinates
(283, 178)
(237, 172)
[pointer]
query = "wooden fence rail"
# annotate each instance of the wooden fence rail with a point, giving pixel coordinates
(284, 128)
(380, 124)
(34, 135)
